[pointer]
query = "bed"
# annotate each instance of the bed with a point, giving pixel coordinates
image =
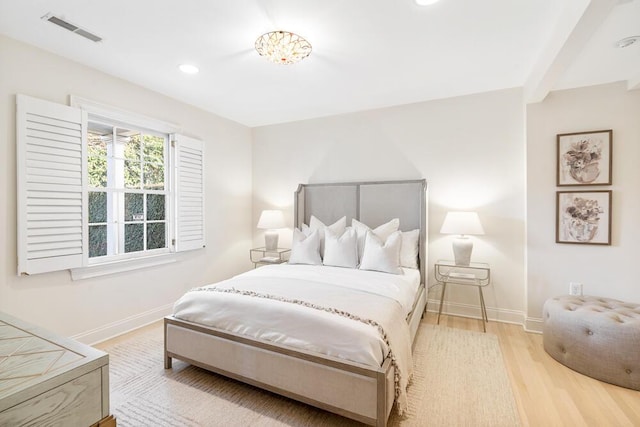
(362, 388)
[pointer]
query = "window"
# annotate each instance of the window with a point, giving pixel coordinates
(99, 186)
(128, 190)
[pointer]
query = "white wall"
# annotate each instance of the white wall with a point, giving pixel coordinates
(93, 309)
(470, 150)
(607, 271)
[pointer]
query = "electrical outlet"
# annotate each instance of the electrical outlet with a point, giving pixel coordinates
(575, 288)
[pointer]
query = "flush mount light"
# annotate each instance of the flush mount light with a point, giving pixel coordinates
(283, 47)
(425, 2)
(188, 68)
(627, 41)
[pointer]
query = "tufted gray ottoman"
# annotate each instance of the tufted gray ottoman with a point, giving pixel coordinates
(599, 337)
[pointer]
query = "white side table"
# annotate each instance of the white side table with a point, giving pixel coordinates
(262, 256)
(475, 274)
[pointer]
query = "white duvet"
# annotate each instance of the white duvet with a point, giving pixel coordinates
(296, 305)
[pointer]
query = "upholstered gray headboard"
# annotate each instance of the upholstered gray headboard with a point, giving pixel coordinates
(372, 203)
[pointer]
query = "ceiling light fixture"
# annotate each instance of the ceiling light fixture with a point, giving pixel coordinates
(188, 68)
(627, 41)
(283, 47)
(425, 2)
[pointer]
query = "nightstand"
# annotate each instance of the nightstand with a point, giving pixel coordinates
(262, 256)
(475, 274)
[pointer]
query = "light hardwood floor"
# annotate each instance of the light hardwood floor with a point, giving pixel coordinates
(548, 393)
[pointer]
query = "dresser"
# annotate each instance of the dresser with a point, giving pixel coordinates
(50, 380)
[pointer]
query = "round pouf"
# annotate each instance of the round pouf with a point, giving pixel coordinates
(598, 337)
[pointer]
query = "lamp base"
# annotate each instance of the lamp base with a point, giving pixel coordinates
(271, 240)
(462, 248)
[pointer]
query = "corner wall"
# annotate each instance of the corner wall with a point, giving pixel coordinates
(607, 271)
(94, 309)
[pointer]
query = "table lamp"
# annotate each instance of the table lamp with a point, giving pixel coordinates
(462, 223)
(271, 220)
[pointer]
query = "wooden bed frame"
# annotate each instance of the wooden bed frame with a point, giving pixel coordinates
(350, 389)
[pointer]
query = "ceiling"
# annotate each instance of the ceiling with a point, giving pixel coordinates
(366, 53)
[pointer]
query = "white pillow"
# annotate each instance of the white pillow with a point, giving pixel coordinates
(337, 227)
(305, 249)
(382, 256)
(340, 251)
(409, 248)
(383, 231)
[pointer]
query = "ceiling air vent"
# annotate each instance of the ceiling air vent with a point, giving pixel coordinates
(71, 27)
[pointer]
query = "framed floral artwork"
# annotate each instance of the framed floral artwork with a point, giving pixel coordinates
(584, 158)
(583, 217)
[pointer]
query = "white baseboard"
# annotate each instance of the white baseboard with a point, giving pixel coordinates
(120, 327)
(533, 324)
(473, 311)
(111, 330)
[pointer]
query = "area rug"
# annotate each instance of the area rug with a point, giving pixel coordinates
(459, 380)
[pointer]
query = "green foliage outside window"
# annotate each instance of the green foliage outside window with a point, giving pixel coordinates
(97, 240)
(97, 152)
(147, 150)
(143, 165)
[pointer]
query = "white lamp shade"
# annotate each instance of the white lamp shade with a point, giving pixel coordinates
(271, 220)
(462, 223)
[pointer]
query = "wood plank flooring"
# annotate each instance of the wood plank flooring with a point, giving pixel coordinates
(548, 393)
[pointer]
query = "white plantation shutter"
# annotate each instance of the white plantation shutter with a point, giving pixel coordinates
(189, 176)
(51, 159)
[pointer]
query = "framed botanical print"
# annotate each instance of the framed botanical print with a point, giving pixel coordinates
(583, 217)
(584, 158)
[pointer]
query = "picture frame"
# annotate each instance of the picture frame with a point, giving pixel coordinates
(584, 158)
(583, 217)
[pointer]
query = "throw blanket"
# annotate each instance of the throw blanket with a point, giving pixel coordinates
(326, 318)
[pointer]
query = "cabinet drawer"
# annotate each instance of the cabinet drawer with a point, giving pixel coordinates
(75, 403)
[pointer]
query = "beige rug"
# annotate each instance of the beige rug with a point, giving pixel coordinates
(459, 380)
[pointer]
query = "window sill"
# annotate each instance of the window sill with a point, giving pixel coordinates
(121, 266)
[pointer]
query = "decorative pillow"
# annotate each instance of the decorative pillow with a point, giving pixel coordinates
(337, 227)
(383, 231)
(305, 249)
(409, 248)
(382, 256)
(340, 251)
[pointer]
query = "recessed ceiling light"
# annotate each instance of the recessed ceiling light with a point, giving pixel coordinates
(188, 68)
(627, 41)
(425, 2)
